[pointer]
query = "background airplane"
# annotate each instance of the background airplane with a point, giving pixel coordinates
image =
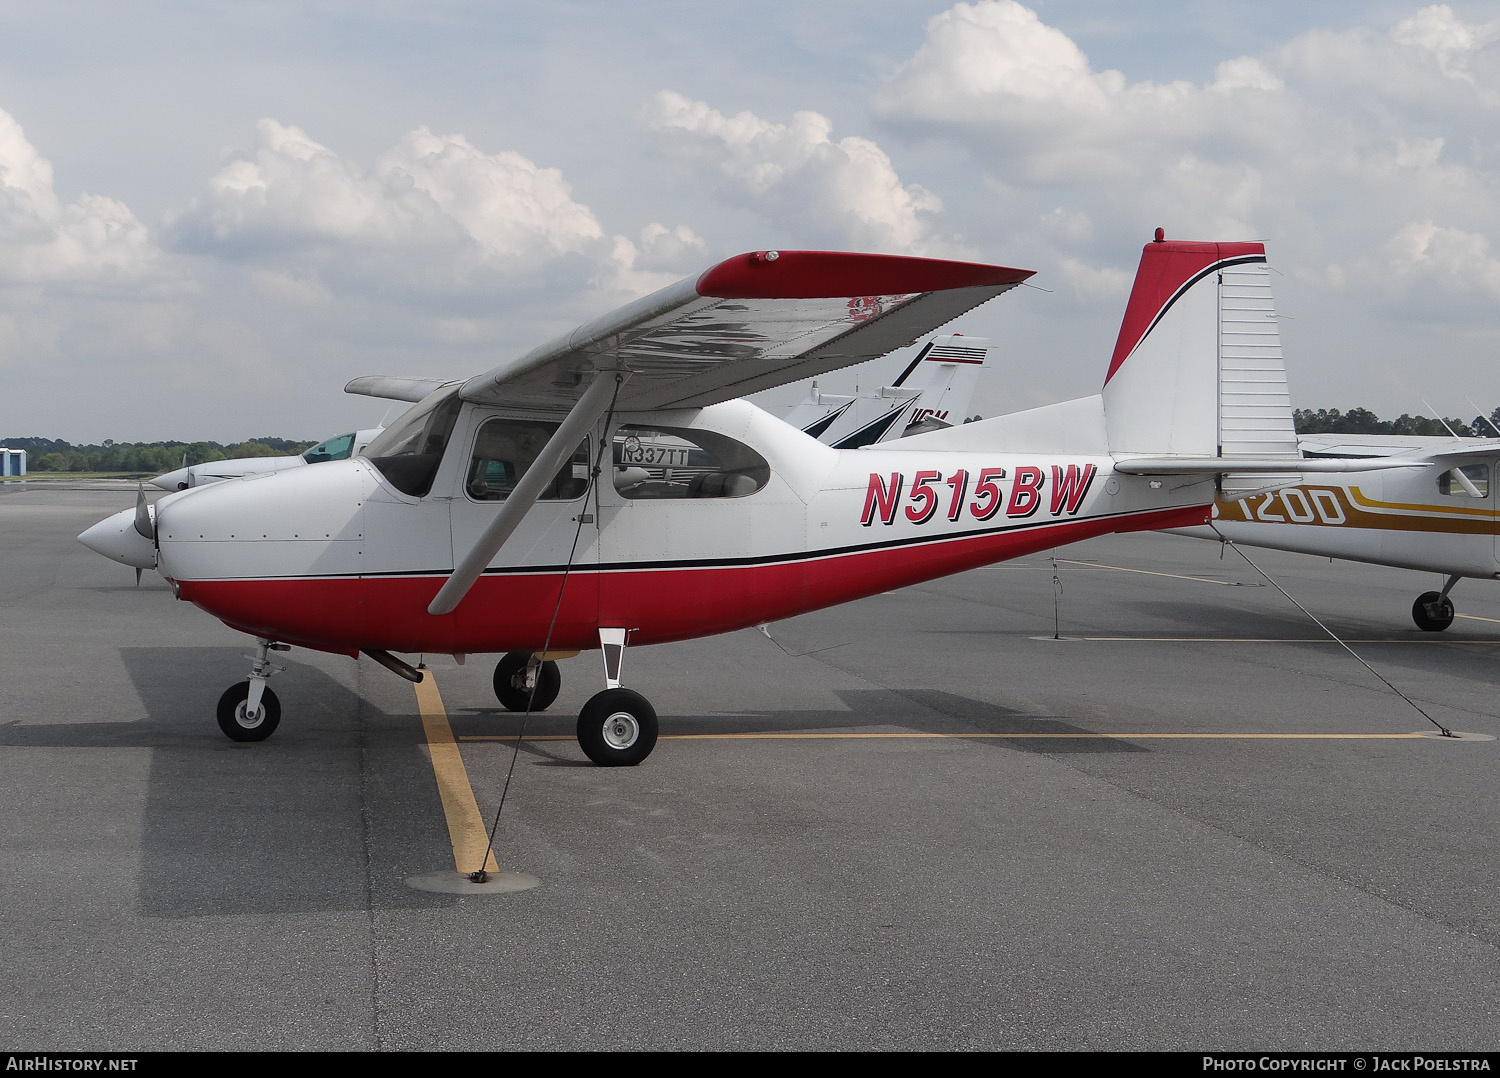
(932, 392)
(339, 447)
(1436, 514)
(465, 527)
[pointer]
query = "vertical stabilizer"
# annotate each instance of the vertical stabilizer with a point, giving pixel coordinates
(1197, 370)
(945, 374)
(932, 393)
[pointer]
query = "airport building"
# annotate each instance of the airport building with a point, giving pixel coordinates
(12, 461)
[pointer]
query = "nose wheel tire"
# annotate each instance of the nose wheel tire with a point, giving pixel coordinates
(510, 683)
(617, 728)
(1433, 612)
(235, 721)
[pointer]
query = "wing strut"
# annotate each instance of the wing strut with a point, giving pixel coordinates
(595, 401)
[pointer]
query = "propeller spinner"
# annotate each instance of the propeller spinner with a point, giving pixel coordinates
(128, 537)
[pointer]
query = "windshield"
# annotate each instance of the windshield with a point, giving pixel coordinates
(409, 451)
(338, 448)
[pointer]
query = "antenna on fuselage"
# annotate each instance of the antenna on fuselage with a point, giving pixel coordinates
(1439, 418)
(1480, 415)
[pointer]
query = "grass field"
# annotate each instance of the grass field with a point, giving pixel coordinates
(52, 476)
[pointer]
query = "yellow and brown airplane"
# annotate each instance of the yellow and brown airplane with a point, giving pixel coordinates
(1438, 515)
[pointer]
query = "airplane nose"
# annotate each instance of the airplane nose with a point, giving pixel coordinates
(118, 539)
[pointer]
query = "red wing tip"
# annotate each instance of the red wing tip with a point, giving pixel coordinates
(833, 274)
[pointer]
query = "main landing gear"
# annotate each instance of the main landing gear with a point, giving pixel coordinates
(1433, 610)
(616, 728)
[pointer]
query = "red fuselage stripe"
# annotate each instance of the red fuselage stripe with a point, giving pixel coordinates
(512, 612)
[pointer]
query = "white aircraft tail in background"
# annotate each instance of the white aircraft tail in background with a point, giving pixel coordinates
(933, 392)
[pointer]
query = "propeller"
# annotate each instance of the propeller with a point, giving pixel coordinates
(143, 522)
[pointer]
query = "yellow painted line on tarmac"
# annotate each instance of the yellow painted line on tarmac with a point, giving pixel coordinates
(1152, 572)
(466, 828)
(1427, 638)
(995, 737)
(1476, 617)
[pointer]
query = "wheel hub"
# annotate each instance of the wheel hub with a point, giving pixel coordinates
(621, 729)
(244, 718)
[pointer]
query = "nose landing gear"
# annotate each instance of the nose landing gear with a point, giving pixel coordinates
(250, 711)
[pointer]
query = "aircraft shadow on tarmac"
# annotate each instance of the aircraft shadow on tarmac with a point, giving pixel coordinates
(285, 826)
(934, 712)
(293, 824)
(1179, 618)
(1470, 653)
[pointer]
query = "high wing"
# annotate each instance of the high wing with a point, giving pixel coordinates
(1366, 446)
(752, 322)
(395, 387)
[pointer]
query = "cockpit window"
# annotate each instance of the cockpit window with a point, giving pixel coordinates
(409, 451)
(1469, 481)
(679, 462)
(506, 448)
(339, 448)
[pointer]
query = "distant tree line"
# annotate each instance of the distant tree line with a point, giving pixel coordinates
(1364, 421)
(153, 458)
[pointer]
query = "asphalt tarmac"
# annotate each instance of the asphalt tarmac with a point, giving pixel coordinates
(1226, 839)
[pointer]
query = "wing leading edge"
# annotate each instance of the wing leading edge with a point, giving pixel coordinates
(752, 322)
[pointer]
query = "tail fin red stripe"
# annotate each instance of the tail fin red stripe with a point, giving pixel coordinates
(1166, 271)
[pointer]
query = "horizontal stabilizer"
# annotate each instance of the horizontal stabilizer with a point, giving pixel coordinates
(1366, 446)
(1257, 466)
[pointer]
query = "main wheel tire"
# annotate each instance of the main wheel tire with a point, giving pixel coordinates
(232, 719)
(1433, 612)
(510, 683)
(617, 728)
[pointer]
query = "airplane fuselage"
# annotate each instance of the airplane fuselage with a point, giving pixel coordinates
(1420, 518)
(339, 559)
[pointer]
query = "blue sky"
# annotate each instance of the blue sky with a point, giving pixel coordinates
(213, 215)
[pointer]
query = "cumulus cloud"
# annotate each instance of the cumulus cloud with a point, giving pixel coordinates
(1303, 146)
(995, 71)
(1449, 257)
(434, 213)
(1451, 43)
(43, 240)
(845, 192)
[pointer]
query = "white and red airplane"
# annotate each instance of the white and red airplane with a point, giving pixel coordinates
(608, 489)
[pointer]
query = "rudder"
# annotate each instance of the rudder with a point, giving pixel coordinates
(1197, 369)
